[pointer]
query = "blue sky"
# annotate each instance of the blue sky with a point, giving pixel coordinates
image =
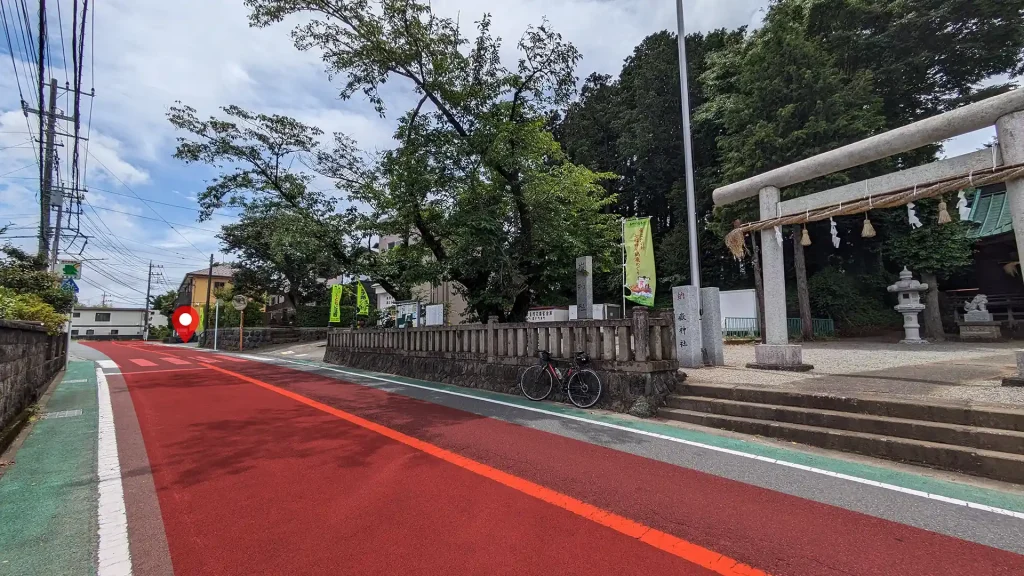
(144, 55)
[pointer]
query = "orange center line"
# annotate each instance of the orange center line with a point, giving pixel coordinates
(661, 540)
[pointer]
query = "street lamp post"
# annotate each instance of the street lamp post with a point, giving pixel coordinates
(691, 205)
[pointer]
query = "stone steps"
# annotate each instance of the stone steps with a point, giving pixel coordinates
(990, 464)
(983, 441)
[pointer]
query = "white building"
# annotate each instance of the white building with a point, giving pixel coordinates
(445, 293)
(115, 323)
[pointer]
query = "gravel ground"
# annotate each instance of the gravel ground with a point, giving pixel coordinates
(882, 365)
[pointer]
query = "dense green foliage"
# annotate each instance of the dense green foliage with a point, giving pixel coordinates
(165, 303)
(499, 179)
(818, 74)
(16, 305)
(30, 292)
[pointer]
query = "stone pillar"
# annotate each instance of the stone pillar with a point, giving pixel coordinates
(776, 353)
(585, 288)
(641, 334)
(711, 326)
(1010, 131)
(492, 338)
(773, 270)
(686, 316)
(1018, 378)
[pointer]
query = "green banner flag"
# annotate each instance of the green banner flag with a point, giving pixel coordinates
(202, 320)
(362, 300)
(640, 279)
(336, 291)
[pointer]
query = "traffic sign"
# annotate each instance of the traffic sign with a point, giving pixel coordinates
(69, 284)
(71, 269)
(239, 302)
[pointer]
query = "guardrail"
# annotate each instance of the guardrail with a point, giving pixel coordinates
(749, 327)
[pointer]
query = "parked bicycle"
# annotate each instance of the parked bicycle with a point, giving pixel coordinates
(581, 385)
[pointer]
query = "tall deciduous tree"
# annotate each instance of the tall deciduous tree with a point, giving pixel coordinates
(780, 98)
(276, 254)
(477, 181)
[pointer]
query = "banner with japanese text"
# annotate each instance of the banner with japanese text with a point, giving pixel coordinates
(336, 302)
(640, 279)
(362, 300)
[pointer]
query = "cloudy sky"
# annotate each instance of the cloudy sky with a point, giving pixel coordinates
(143, 55)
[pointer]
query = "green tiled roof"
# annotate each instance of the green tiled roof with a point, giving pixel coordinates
(991, 212)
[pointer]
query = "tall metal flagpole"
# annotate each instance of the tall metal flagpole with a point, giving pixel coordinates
(691, 205)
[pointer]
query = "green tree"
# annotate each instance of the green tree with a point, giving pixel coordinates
(779, 97)
(266, 166)
(477, 181)
(276, 254)
(632, 127)
(165, 304)
(935, 252)
(29, 274)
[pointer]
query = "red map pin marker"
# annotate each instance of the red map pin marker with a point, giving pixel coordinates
(185, 320)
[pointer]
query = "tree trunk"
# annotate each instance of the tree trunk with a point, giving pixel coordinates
(802, 293)
(932, 315)
(758, 284)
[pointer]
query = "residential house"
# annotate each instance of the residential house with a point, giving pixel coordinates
(193, 288)
(102, 323)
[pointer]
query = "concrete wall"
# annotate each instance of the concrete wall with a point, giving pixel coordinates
(29, 359)
(253, 338)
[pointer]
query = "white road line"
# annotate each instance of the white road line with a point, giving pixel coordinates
(109, 364)
(114, 557)
(876, 484)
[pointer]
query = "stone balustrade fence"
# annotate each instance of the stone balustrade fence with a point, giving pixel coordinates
(634, 356)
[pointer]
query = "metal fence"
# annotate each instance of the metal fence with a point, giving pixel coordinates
(749, 328)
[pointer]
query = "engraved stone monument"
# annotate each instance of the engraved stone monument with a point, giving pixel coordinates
(978, 323)
(585, 288)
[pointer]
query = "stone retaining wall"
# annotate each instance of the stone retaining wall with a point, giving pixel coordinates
(29, 359)
(253, 338)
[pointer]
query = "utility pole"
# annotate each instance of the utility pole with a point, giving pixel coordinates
(209, 289)
(691, 203)
(47, 180)
(55, 249)
(145, 308)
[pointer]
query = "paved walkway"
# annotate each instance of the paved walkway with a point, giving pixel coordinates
(950, 371)
(48, 495)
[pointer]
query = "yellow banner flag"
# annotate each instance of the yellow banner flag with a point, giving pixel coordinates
(336, 291)
(362, 300)
(640, 278)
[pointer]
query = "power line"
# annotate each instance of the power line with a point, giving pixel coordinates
(171, 224)
(18, 170)
(194, 209)
(147, 204)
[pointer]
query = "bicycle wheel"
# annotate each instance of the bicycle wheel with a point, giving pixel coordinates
(536, 383)
(584, 388)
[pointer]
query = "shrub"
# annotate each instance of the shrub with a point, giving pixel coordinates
(30, 308)
(855, 304)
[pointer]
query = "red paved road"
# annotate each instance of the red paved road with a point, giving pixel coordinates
(250, 481)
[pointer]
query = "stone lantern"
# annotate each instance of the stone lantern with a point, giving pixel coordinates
(909, 292)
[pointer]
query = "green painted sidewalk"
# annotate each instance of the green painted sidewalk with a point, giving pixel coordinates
(48, 496)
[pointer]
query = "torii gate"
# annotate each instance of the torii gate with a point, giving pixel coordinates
(1002, 164)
